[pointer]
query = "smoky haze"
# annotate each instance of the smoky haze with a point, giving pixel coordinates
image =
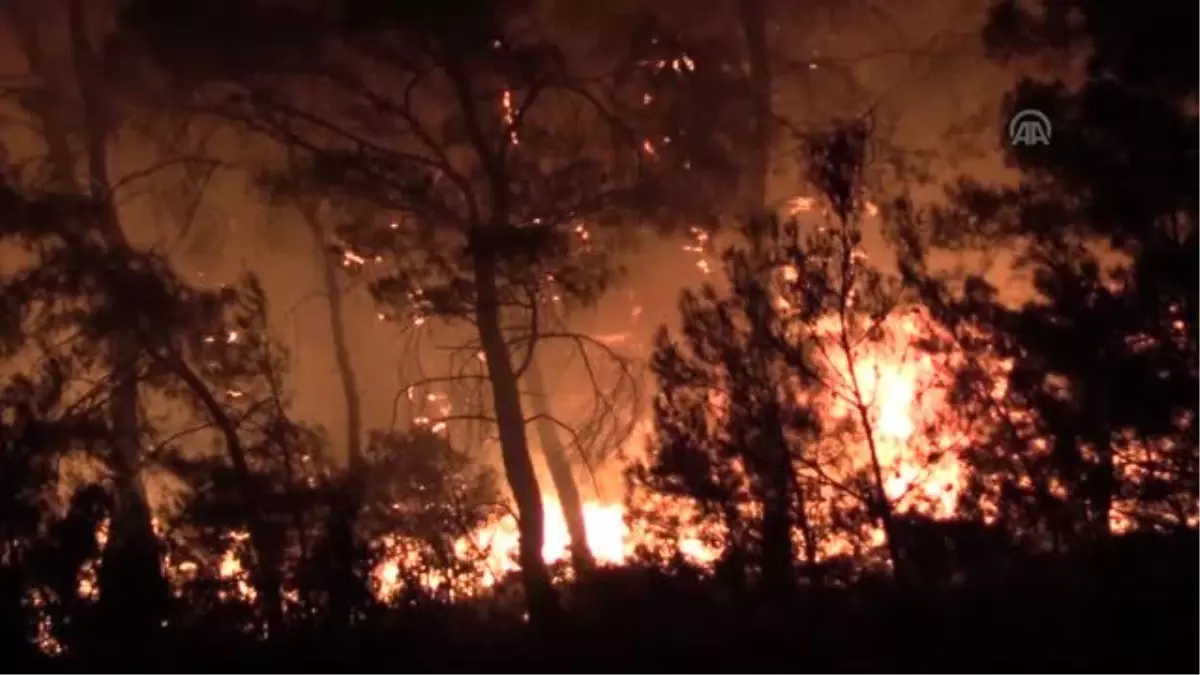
(918, 66)
(460, 335)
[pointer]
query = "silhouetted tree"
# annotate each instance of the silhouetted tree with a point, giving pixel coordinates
(486, 153)
(849, 307)
(803, 296)
(206, 352)
(1098, 412)
(41, 425)
(731, 422)
(132, 544)
(428, 502)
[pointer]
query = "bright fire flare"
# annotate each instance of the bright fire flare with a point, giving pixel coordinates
(905, 391)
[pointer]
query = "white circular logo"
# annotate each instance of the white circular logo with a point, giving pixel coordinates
(1029, 127)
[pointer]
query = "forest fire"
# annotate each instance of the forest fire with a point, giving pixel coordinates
(915, 434)
(607, 541)
(912, 432)
(483, 336)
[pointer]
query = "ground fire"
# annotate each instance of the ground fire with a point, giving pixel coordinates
(547, 336)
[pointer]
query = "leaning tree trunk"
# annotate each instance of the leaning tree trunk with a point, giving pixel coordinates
(514, 447)
(264, 541)
(342, 532)
(341, 351)
(880, 507)
(559, 463)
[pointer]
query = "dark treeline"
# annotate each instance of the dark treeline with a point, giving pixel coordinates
(483, 166)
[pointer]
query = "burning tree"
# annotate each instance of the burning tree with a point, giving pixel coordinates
(89, 281)
(169, 361)
(490, 162)
(732, 423)
(132, 546)
(427, 503)
(39, 426)
(811, 357)
(204, 363)
(1092, 432)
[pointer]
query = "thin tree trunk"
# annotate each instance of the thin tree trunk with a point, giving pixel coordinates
(343, 537)
(559, 463)
(774, 465)
(883, 508)
(341, 354)
(778, 556)
(267, 577)
(514, 447)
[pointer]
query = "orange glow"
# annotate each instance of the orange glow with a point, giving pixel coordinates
(905, 392)
(608, 539)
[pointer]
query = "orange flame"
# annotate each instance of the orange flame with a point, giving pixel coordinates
(905, 391)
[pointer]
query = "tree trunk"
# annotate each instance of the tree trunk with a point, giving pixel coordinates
(266, 572)
(341, 344)
(773, 464)
(514, 448)
(778, 556)
(131, 574)
(882, 509)
(506, 390)
(753, 15)
(133, 584)
(343, 534)
(559, 463)
(132, 581)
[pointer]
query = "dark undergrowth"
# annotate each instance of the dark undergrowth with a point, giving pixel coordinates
(1129, 609)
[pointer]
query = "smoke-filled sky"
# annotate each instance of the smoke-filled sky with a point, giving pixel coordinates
(919, 63)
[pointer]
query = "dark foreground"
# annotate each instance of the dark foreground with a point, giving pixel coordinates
(1133, 610)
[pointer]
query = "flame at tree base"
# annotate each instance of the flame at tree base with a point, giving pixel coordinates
(607, 534)
(914, 439)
